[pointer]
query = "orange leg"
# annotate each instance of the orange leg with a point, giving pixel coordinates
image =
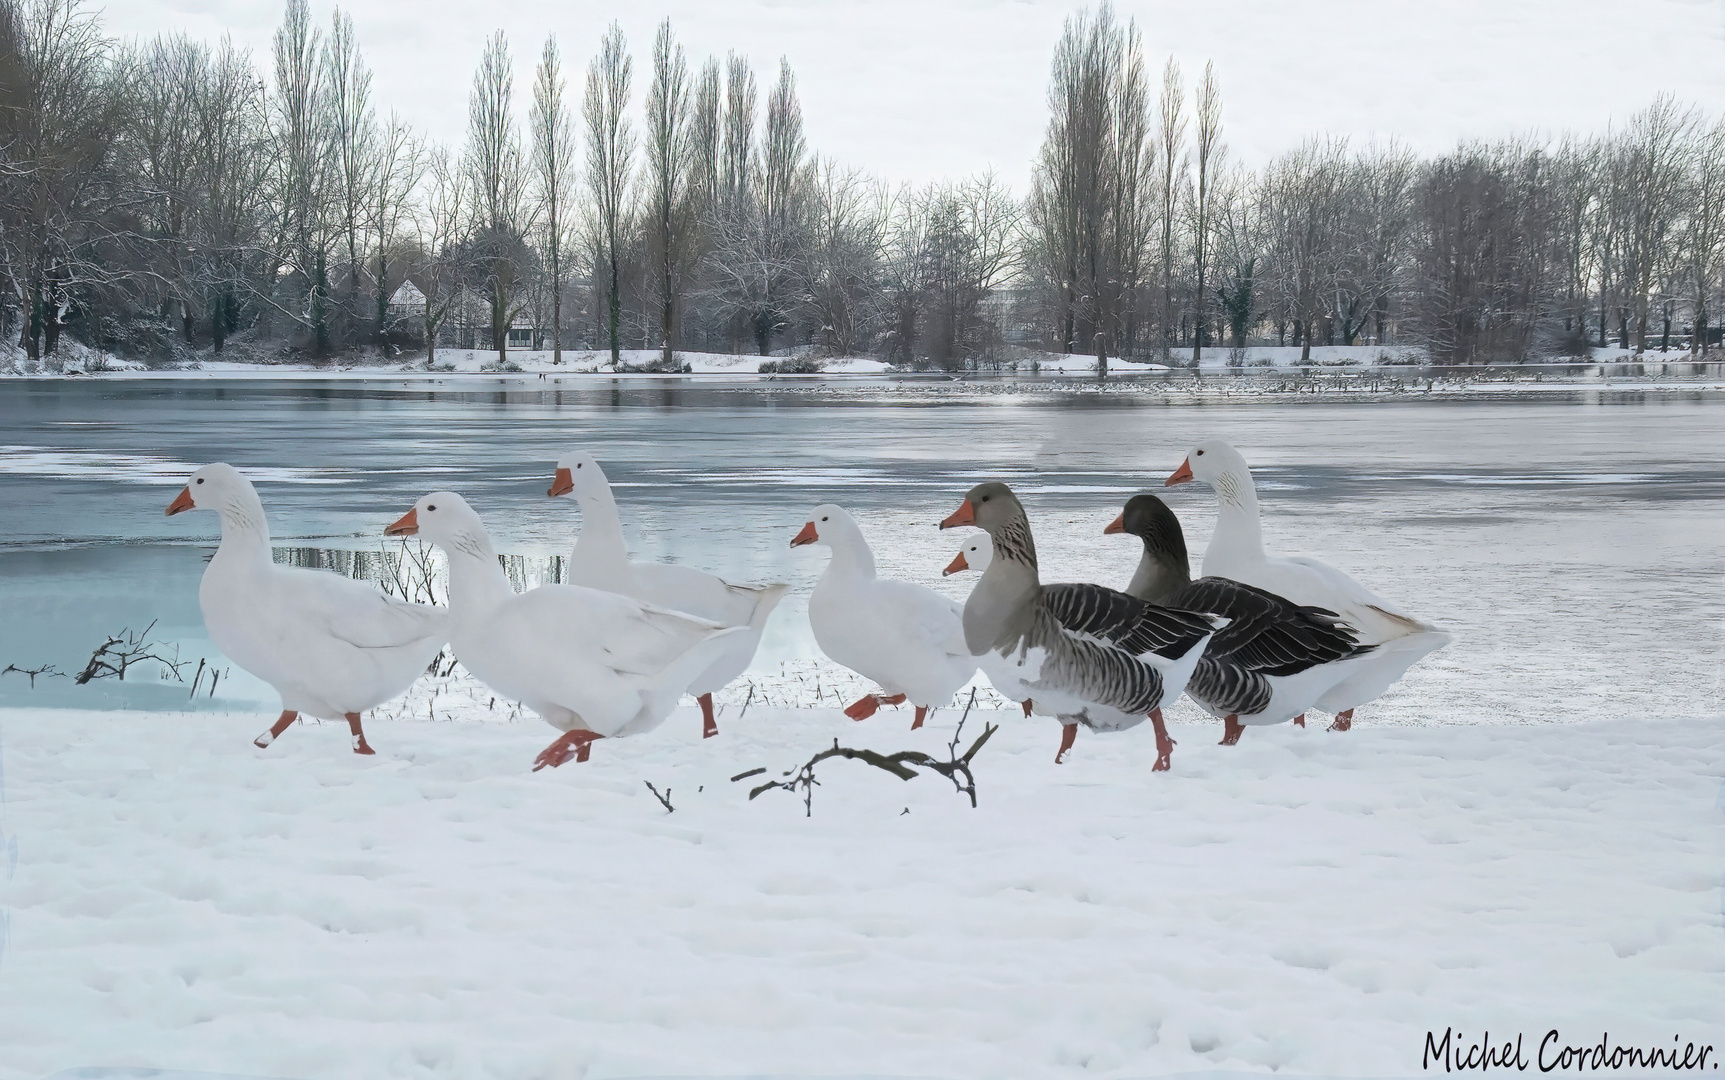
(1300, 720)
(1068, 732)
(921, 715)
(865, 707)
(360, 746)
(288, 716)
(1232, 729)
(1343, 721)
(709, 724)
(1164, 745)
(575, 744)
(1025, 705)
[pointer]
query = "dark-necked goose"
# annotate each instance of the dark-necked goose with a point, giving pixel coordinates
(1105, 660)
(1271, 662)
(1236, 552)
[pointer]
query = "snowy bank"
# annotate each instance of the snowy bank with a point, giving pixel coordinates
(1305, 902)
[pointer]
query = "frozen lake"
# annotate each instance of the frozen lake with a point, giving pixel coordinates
(1572, 542)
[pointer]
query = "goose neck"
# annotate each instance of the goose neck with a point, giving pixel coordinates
(245, 530)
(476, 579)
(600, 542)
(1159, 575)
(852, 557)
(999, 609)
(1237, 528)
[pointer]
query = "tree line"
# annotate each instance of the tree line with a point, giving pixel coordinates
(160, 198)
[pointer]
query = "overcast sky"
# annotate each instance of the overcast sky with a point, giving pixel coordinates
(928, 89)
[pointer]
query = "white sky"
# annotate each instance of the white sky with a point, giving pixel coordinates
(925, 89)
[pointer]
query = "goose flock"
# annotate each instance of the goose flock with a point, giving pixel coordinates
(1256, 640)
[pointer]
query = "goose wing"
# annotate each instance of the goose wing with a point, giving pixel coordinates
(1125, 622)
(1265, 632)
(353, 611)
(624, 635)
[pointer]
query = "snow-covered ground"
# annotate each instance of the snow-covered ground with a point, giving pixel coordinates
(1305, 902)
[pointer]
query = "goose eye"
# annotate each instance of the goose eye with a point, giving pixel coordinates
(577, 464)
(1200, 453)
(823, 519)
(431, 508)
(200, 479)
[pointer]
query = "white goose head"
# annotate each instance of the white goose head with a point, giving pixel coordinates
(579, 474)
(443, 518)
(224, 489)
(1218, 464)
(833, 526)
(976, 554)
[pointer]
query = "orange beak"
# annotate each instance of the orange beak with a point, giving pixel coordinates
(807, 536)
(1181, 475)
(957, 565)
(407, 525)
(964, 515)
(562, 484)
(182, 501)
(1118, 525)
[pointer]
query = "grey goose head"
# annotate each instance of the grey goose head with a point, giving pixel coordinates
(1149, 519)
(1165, 566)
(992, 507)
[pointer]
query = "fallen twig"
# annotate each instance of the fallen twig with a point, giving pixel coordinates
(903, 765)
(664, 800)
(46, 670)
(113, 657)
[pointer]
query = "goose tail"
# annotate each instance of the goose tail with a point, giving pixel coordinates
(665, 689)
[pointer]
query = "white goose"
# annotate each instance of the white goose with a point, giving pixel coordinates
(601, 561)
(593, 664)
(907, 638)
(331, 647)
(1236, 551)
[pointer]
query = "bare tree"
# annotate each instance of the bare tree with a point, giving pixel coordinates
(669, 177)
(1301, 191)
(847, 224)
(1210, 151)
(352, 133)
(1171, 169)
(1653, 159)
(498, 181)
(1483, 254)
(60, 107)
(168, 79)
(554, 170)
(234, 165)
(706, 137)
(1090, 208)
(441, 232)
(1704, 236)
(397, 165)
(610, 157)
(1373, 221)
(300, 140)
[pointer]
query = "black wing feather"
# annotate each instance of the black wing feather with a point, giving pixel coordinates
(1267, 633)
(1126, 622)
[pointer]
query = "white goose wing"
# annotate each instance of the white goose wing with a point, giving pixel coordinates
(1306, 580)
(353, 611)
(684, 588)
(553, 622)
(930, 622)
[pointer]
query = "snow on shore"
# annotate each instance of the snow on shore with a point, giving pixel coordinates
(1305, 902)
